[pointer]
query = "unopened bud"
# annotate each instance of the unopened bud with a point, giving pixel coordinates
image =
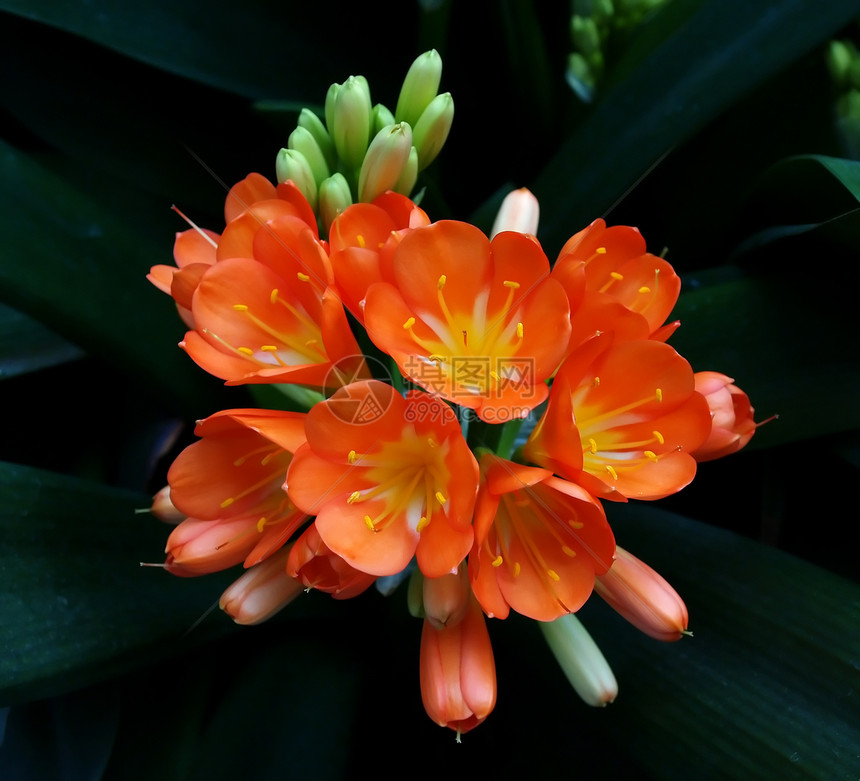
(386, 158)
(420, 86)
(643, 597)
(446, 598)
(163, 508)
(519, 212)
(303, 141)
(406, 182)
(293, 165)
(351, 120)
(314, 125)
(334, 197)
(381, 117)
(261, 591)
(431, 130)
(581, 660)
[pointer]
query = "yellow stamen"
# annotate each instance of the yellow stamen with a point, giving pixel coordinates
(245, 350)
(227, 502)
(616, 276)
(360, 239)
(596, 382)
(422, 524)
(273, 296)
(516, 570)
(351, 457)
(409, 323)
(519, 330)
(659, 437)
(240, 307)
(650, 455)
(353, 497)
(553, 574)
(260, 524)
(508, 283)
(440, 497)
(644, 289)
(568, 551)
(302, 277)
(440, 283)
(369, 521)
(601, 250)
(592, 445)
(575, 524)
(612, 472)
(659, 394)
(269, 348)
(497, 562)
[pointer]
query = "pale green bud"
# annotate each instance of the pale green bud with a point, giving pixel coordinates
(431, 130)
(291, 164)
(334, 197)
(581, 660)
(586, 36)
(301, 140)
(350, 122)
(330, 98)
(419, 87)
(386, 158)
(314, 125)
(382, 117)
(406, 182)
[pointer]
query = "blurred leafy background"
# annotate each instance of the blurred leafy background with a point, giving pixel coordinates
(723, 129)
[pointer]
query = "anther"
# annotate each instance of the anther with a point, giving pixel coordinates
(440, 497)
(568, 551)
(497, 562)
(369, 521)
(441, 282)
(227, 502)
(261, 524)
(269, 348)
(650, 455)
(612, 472)
(644, 289)
(659, 394)
(509, 283)
(592, 445)
(616, 276)
(596, 382)
(273, 296)
(575, 524)
(422, 524)
(659, 437)
(519, 330)
(517, 568)
(409, 323)
(245, 350)
(353, 497)
(553, 574)
(302, 277)
(351, 457)
(601, 250)
(240, 307)
(360, 239)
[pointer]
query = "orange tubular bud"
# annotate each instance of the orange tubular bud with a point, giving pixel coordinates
(446, 598)
(458, 672)
(732, 424)
(643, 597)
(261, 591)
(163, 509)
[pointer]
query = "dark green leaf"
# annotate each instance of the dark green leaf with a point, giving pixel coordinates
(719, 52)
(26, 345)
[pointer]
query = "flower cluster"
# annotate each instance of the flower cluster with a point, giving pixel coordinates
(500, 400)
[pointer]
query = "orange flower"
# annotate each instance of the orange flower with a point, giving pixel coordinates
(229, 484)
(272, 316)
(313, 563)
(458, 672)
(643, 597)
(477, 322)
(539, 541)
(614, 285)
(387, 478)
(622, 420)
(261, 591)
(255, 200)
(363, 239)
(732, 424)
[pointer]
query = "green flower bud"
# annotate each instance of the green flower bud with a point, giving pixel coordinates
(419, 87)
(382, 117)
(406, 182)
(583, 663)
(314, 125)
(350, 121)
(431, 130)
(334, 197)
(301, 140)
(586, 36)
(386, 158)
(330, 98)
(291, 164)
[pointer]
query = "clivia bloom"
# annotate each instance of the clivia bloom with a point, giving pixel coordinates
(623, 420)
(229, 484)
(615, 285)
(387, 478)
(539, 542)
(643, 597)
(732, 424)
(475, 321)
